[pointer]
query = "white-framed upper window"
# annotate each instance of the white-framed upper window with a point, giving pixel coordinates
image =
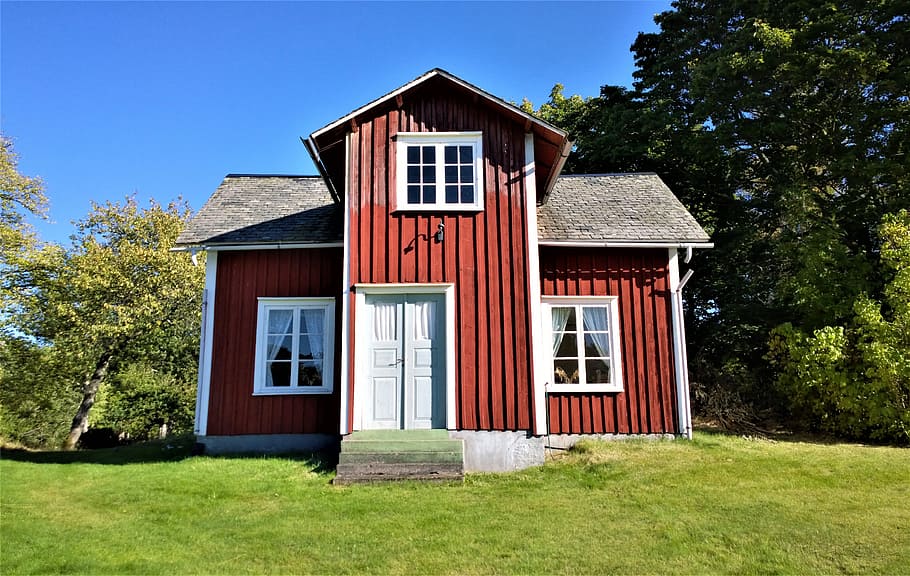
(295, 345)
(584, 343)
(439, 171)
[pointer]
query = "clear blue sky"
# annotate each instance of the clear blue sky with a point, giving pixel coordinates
(161, 100)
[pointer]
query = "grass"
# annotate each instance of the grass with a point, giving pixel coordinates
(714, 505)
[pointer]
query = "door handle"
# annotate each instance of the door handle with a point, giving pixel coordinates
(397, 362)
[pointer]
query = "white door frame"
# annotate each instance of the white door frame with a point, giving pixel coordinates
(361, 341)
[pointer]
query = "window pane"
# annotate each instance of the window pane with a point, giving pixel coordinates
(597, 371)
(280, 321)
(570, 321)
(278, 374)
(429, 154)
(597, 344)
(451, 194)
(429, 194)
(413, 194)
(429, 174)
(467, 194)
(413, 174)
(413, 155)
(595, 318)
(568, 348)
(451, 153)
(466, 154)
(309, 374)
(279, 347)
(312, 321)
(565, 372)
(451, 174)
(467, 174)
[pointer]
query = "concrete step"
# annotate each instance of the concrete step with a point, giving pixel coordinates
(384, 455)
(384, 472)
(386, 446)
(453, 456)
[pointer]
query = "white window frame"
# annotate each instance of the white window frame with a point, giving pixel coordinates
(440, 140)
(612, 305)
(265, 304)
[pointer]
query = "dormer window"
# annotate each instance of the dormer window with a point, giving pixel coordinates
(439, 171)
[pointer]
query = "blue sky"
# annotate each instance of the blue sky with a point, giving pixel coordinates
(161, 100)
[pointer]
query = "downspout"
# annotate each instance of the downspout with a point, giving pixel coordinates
(684, 408)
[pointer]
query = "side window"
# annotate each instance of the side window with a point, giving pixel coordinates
(585, 344)
(294, 346)
(439, 171)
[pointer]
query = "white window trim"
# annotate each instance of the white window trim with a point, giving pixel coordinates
(327, 305)
(612, 302)
(440, 139)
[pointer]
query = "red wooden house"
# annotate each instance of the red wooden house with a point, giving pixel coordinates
(441, 273)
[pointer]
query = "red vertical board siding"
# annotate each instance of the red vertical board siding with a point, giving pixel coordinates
(242, 278)
(484, 254)
(640, 280)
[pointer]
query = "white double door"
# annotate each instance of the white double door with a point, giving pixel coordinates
(405, 372)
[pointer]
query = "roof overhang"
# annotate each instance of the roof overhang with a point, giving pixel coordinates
(626, 244)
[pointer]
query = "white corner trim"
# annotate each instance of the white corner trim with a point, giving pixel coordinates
(538, 362)
(344, 425)
(361, 345)
(204, 381)
(680, 360)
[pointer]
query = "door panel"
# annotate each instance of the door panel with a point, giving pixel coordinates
(406, 379)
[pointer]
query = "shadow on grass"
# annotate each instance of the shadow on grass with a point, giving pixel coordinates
(170, 450)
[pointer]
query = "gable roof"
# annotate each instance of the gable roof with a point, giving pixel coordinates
(266, 209)
(598, 209)
(618, 208)
(551, 144)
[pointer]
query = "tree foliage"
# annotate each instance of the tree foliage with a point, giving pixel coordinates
(113, 308)
(783, 127)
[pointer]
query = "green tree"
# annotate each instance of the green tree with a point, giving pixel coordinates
(118, 296)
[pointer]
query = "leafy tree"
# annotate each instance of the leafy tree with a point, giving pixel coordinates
(118, 296)
(783, 126)
(855, 380)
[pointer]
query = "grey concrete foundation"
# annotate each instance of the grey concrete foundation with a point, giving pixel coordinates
(486, 451)
(566, 441)
(268, 443)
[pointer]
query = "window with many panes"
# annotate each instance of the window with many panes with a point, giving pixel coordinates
(439, 171)
(584, 340)
(294, 346)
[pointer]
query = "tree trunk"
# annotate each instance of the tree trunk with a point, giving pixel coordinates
(89, 390)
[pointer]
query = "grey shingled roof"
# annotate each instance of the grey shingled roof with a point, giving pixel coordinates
(616, 207)
(266, 209)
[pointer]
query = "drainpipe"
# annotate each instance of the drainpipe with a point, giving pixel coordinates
(679, 344)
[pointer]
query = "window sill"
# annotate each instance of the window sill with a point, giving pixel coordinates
(560, 388)
(293, 391)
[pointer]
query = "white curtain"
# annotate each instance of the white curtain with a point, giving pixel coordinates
(312, 322)
(597, 325)
(384, 321)
(424, 320)
(560, 316)
(279, 326)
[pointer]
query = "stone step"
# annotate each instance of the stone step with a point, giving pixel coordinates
(384, 472)
(453, 456)
(433, 434)
(397, 446)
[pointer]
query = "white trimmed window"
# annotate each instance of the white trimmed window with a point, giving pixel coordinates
(584, 344)
(439, 171)
(295, 345)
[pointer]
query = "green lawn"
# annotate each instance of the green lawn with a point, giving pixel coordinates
(714, 505)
